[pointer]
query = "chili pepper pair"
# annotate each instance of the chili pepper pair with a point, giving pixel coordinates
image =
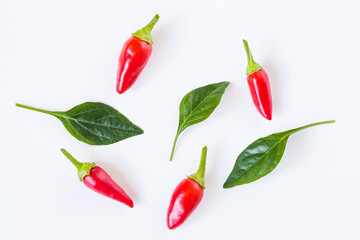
(136, 53)
(184, 199)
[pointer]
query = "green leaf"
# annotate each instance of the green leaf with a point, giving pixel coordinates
(197, 105)
(94, 123)
(261, 157)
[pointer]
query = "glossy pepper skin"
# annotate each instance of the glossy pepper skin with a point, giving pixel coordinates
(259, 85)
(187, 196)
(134, 56)
(99, 181)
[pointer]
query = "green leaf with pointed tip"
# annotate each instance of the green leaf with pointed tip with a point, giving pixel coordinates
(197, 105)
(95, 123)
(261, 157)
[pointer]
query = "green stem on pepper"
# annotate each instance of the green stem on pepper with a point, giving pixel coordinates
(82, 168)
(253, 66)
(199, 176)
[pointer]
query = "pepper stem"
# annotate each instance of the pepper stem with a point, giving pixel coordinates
(199, 176)
(152, 23)
(76, 163)
(82, 168)
(248, 52)
(253, 66)
(145, 32)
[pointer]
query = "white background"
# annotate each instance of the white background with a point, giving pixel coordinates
(57, 54)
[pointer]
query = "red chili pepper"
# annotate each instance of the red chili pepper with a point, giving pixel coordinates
(259, 85)
(134, 56)
(187, 195)
(99, 181)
